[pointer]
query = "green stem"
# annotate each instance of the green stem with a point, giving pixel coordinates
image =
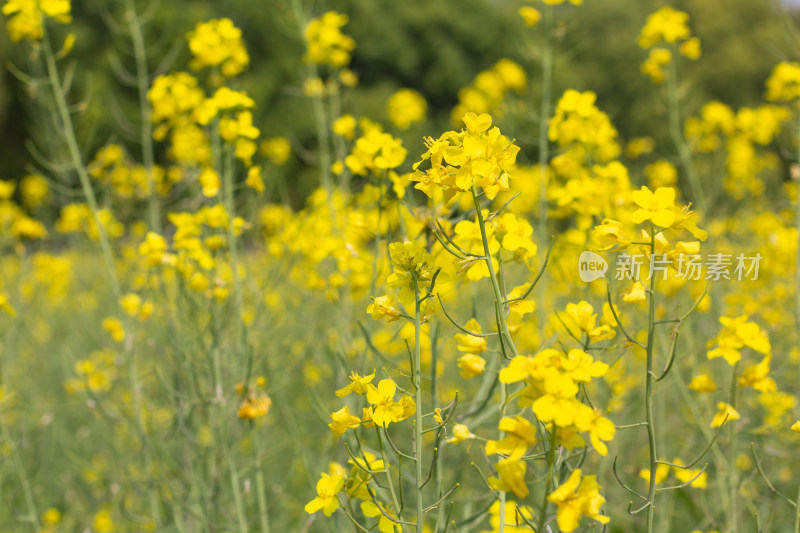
(502, 326)
(677, 136)
(418, 390)
(377, 237)
(389, 481)
(261, 492)
(237, 494)
(551, 459)
(733, 474)
(439, 474)
(651, 433)
(143, 83)
(77, 161)
(797, 301)
(340, 150)
(23, 478)
(230, 207)
(86, 185)
(797, 512)
(544, 144)
(223, 438)
(499, 298)
(320, 120)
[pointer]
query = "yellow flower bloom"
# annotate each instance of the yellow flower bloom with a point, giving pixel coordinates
(656, 206)
(636, 294)
(7, 189)
(408, 256)
(26, 17)
(326, 42)
(724, 411)
(702, 383)
(520, 436)
(218, 43)
(385, 410)
(476, 156)
(469, 343)
(460, 434)
(599, 427)
(383, 306)
(667, 24)
(471, 365)
(405, 107)
(358, 385)
(345, 126)
(690, 48)
(581, 318)
(51, 517)
(254, 180)
(34, 190)
(103, 522)
(385, 524)
(327, 488)
(558, 404)
(511, 474)
(653, 65)
(512, 523)
(131, 303)
(662, 471)
(522, 367)
(342, 420)
(736, 334)
(685, 475)
(577, 497)
(609, 234)
(5, 305)
(114, 327)
(757, 376)
(277, 149)
(530, 15)
(254, 406)
(784, 82)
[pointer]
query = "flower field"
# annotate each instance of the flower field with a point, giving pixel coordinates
(410, 309)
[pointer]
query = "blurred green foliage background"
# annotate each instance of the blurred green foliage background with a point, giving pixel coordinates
(434, 47)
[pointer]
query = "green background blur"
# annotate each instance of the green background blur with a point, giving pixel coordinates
(435, 47)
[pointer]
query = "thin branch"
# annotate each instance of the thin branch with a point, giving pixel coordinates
(619, 323)
(459, 326)
(670, 358)
(702, 454)
(770, 486)
(685, 484)
(448, 493)
(538, 276)
(626, 487)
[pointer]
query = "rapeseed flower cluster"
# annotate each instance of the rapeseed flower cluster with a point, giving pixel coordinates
(26, 18)
(489, 89)
(669, 29)
(405, 107)
(475, 157)
(200, 305)
(326, 44)
(218, 43)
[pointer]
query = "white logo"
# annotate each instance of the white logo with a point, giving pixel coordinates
(591, 266)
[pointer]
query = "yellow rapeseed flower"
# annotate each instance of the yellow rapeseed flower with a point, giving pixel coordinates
(405, 107)
(327, 488)
(577, 497)
(656, 206)
(724, 411)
